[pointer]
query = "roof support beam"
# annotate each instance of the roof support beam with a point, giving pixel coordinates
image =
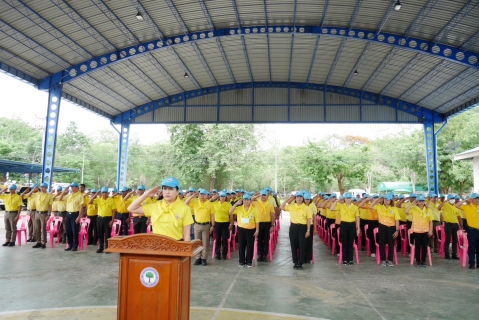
(177, 16)
(97, 85)
(132, 66)
(87, 102)
(313, 58)
(420, 17)
(355, 14)
(149, 21)
(325, 11)
(5, 68)
(358, 63)
(183, 67)
(206, 13)
(464, 12)
(471, 42)
(470, 94)
(381, 67)
(204, 63)
(365, 96)
(225, 60)
(127, 84)
(418, 57)
(243, 43)
(412, 44)
(336, 59)
(386, 16)
(235, 9)
(291, 58)
(21, 65)
(463, 107)
(156, 64)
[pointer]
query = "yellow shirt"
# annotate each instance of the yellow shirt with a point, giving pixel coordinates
(31, 201)
(313, 209)
(247, 219)
(61, 205)
(348, 214)
(169, 220)
(202, 211)
(121, 204)
(450, 213)
(74, 201)
(91, 209)
(12, 203)
(330, 214)
(402, 214)
(404, 206)
(221, 211)
(364, 214)
(387, 216)
(421, 219)
(43, 201)
(298, 214)
(105, 206)
(272, 201)
(265, 209)
(436, 214)
(471, 212)
(54, 204)
(192, 204)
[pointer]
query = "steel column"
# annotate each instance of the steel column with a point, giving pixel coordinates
(123, 154)
(431, 156)
(50, 138)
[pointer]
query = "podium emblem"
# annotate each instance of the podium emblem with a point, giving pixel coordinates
(149, 277)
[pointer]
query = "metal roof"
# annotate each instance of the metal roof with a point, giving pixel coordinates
(25, 167)
(248, 60)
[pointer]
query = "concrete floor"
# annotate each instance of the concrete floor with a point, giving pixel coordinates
(53, 284)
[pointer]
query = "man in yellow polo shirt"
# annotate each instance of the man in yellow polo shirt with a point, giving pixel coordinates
(204, 223)
(92, 214)
(13, 207)
(266, 222)
(122, 209)
(61, 212)
(471, 211)
(106, 215)
(451, 221)
(43, 202)
(221, 210)
(431, 203)
(30, 195)
(74, 204)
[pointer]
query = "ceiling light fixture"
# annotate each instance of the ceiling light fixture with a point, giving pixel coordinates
(186, 75)
(356, 72)
(139, 16)
(397, 6)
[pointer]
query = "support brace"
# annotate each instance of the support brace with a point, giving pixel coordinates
(123, 154)
(431, 156)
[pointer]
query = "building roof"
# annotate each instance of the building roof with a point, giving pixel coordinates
(25, 167)
(467, 155)
(249, 61)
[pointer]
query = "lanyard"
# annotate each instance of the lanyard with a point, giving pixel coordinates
(247, 212)
(40, 196)
(264, 207)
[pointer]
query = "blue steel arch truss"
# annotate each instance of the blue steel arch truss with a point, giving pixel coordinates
(442, 51)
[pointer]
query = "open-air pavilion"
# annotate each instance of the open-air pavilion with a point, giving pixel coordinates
(245, 61)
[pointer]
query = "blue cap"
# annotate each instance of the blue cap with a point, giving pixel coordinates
(59, 188)
(388, 197)
(180, 191)
(191, 189)
(34, 185)
(355, 199)
(171, 182)
(141, 187)
(307, 196)
(348, 195)
(401, 196)
(341, 198)
(114, 190)
(232, 192)
(374, 196)
(12, 187)
(246, 197)
(457, 197)
(274, 194)
(203, 191)
(442, 195)
(451, 196)
(94, 190)
(326, 197)
(421, 197)
(412, 195)
(432, 195)
(263, 192)
(333, 195)
(475, 195)
(103, 189)
(74, 184)
(214, 191)
(299, 194)
(222, 194)
(44, 185)
(366, 195)
(123, 189)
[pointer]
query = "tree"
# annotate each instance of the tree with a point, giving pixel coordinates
(150, 276)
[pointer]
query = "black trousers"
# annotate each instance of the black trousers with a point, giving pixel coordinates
(222, 235)
(309, 245)
(125, 223)
(297, 239)
(421, 241)
(372, 224)
(399, 241)
(246, 245)
(348, 234)
(92, 231)
(362, 223)
(104, 231)
(332, 233)
(72, 230)
(451, 231)
(263, 238)
(385, 236)
(140, 224)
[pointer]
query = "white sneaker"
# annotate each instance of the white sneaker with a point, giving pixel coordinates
(373, 255)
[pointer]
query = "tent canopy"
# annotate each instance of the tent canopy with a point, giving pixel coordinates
(398, 186)
(25, 167)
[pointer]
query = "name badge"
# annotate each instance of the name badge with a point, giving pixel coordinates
(244, 220)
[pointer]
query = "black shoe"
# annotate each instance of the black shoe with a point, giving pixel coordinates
(30, 240)
(345, 263)
(300, 267)
(6, 244)
(218, 257)
(447, 257)
(68, 249)
(418, 265)
(74, 249)
(307, 262)
(261, 259)
(224, 257)
(471, 266)
(295, 266)
(203, 262)
(455, 258)
(241, 265)
(11, 244)
(44, 246)
(99, 251)
(197, 262)
(350, 263)
(423, 264)
(38, 245)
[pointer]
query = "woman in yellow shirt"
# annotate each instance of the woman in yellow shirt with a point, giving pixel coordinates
(248, 229)
(421, 228)
(221, 210)
(388, 229)
(308, 201)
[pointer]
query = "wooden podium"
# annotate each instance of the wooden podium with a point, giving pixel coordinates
(154, 276)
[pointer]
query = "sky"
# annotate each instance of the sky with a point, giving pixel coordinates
(21, 100)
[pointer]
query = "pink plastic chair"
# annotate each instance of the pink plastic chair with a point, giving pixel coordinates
(22, 224)
(131, 230)
(340, 244)
(325, 231)
(441, 236)
(378, 258)
(115, 228)
(233, 236)
(331, 239)
(368, 241)
(404, 238)
(463, 244)
(255, 251)
(412, 247)
(53, 227)
(229, 247)
(149, 228)
(83, 234)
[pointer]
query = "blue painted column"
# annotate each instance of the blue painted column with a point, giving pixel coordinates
(431, 156)
(50, 139)
(123, 155)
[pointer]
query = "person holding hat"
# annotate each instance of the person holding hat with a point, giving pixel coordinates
(299, 230)
(471, 212)
(350, 227)
(422, 218)
(13, 207)
(61, 212)
(170, 217)
(43, 201)
(221, 211)
(451, 220)
(266, 223)
(204, 224)
(106, 215)
(30, 195)
(248, 229)
(92, 214)
(388, 229)
(308, 201)
(122, 203)
(75, 202)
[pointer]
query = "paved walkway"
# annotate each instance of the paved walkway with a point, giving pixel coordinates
(54, 284)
